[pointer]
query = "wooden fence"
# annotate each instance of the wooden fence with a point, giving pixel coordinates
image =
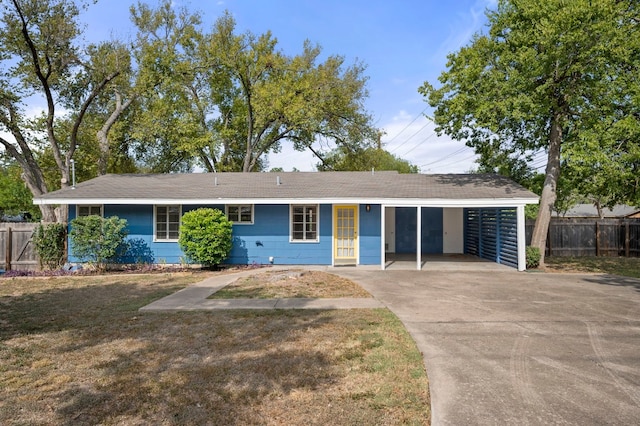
(589, 237)
(16, 247)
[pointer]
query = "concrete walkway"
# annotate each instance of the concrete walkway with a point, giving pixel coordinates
(194, 297)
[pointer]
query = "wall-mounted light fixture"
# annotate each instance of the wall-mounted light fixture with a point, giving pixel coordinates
(368, 207)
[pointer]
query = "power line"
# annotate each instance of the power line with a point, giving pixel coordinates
(447, 156)
(409, 138)
(456, 162)
(419, 144)
(407, 126)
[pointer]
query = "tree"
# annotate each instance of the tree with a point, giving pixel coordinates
(343, 159)
(170, 127)
(550, 75)
(205, 236)
(42, 60)
(232, 98)
(15, 197)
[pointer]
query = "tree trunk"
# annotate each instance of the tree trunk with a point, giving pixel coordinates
(103, 133)
(548, 197)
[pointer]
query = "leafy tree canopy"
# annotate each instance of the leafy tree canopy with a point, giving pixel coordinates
(15, 197)
(343, 159)
(43, 59)
(223, 100)
(553, 75)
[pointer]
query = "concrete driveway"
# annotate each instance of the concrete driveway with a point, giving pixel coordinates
(504, 347)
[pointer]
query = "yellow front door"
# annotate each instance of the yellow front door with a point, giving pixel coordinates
(345, 235)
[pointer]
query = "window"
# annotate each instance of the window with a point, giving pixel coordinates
(304, 223)
(167, 222)
(89, 210)
(240, 213)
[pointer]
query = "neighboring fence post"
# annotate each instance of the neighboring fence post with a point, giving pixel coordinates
(7, 255)
(597, 239)
(626, 239)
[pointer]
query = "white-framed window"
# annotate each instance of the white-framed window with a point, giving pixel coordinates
(88, 210)
(240, 213)
(304, 223)
(167, 222)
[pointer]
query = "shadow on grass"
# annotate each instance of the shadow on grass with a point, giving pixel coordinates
(614, 280)
(123, 366)
(76, 308)
(202, 368)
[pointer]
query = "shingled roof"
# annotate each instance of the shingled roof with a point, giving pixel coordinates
(282, 187)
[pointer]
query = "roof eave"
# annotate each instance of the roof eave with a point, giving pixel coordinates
(397, 202)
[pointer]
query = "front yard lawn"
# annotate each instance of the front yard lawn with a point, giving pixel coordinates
(75, 350)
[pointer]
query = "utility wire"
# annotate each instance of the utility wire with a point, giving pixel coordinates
(407, 126)
(419, 144)
(447, 156)
(456, 162)
(409, 138)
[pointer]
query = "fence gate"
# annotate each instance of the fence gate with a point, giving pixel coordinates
(16, 247)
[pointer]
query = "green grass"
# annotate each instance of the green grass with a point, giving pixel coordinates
(624, 266)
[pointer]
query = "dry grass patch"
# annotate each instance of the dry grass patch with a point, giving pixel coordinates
(77, 351)
(624, 266)
(293, 283)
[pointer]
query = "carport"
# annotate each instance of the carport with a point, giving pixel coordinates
(491, 230)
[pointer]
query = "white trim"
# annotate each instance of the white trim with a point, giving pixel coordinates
(419, 238)
(522, 239)
(226, 212)
(317, 240)
(90, 205)
(155, 222)
(391, 202)
(356, 243)
(383, 252)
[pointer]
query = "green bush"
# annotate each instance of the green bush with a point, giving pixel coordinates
(97, 240)
(48, 241)
(533, 257)
(205, 236)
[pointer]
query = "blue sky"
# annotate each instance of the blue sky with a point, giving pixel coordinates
(403, 43)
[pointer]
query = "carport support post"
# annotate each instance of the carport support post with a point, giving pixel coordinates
(419, 238)
(522, 239)
(383, 231)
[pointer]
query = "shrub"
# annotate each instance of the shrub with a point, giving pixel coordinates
(48, 241)
(533, 257)
(205, 236)
(96, 239)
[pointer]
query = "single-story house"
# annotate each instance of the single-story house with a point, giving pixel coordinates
(327, 218)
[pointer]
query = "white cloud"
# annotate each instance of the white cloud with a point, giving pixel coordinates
(463, 27)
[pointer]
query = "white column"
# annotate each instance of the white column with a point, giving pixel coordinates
(383, 231)
(419, 240)
(522, 239)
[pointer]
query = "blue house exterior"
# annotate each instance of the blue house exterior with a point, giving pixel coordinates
(263, 242)
(329, 218)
